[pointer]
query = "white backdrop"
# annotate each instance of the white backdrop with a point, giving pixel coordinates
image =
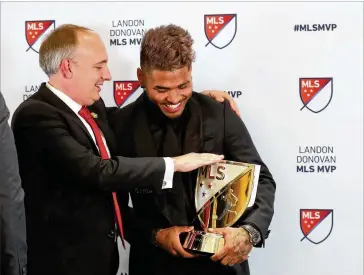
(268, 63)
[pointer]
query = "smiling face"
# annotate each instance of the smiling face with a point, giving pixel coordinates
(75, 60)
(89, 69)
(166, 58)
(169, 90)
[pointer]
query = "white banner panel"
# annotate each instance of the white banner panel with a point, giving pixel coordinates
(296, 70)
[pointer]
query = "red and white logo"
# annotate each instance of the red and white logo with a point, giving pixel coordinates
(35, 31)
(220, 29)
(123, 90)
(316, 93)
(316, 224)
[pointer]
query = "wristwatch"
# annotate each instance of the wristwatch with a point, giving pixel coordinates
(254, 234)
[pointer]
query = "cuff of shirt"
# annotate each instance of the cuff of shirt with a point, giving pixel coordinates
(168, 174)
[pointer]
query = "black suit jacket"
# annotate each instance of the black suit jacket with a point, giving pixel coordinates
(68, 187)
(215, 129)
(13, 246)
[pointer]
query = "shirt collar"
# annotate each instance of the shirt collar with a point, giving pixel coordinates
(74, 106)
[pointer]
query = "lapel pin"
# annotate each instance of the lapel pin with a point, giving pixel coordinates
(94, 115)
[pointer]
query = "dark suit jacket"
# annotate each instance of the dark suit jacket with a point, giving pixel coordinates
(68, 187)
(216, 129)
(13, 246)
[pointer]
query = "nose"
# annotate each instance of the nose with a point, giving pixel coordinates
(106, 75)
(173, 96)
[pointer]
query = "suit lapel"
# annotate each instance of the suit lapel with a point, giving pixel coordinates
(144, 142)
(102, 123)
(145, 146)
(198, 130)
(52, 99)
(49, 97)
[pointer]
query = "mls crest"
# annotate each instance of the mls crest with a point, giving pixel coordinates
(316, 93)
(36, 31)
(220, 29)
(316, 224)
(123, 90)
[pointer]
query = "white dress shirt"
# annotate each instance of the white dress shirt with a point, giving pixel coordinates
(75, 107)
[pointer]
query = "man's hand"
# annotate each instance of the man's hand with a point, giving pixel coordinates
(237, 246)
(169, 240)
(192, 161)
(221, 96)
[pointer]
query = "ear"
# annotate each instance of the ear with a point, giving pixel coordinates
(66, 68)
(140, 76)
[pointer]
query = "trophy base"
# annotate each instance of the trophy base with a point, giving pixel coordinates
(201, 242)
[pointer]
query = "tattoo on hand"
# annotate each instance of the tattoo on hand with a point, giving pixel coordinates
(241, 243)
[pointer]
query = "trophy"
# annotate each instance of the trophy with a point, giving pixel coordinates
(223, 192)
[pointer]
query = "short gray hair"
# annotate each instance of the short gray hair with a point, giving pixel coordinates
(58, 45)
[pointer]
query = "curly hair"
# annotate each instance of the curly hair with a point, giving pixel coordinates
(166, 48)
